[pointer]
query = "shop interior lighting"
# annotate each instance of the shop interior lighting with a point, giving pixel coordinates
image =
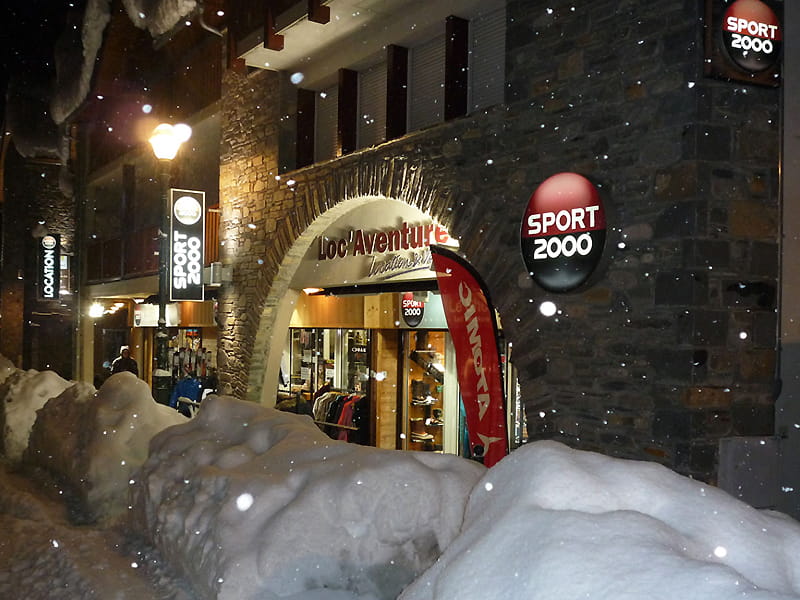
(312, 291)
(96, 310)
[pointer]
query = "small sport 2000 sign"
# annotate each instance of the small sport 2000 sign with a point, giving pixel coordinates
(563, 232)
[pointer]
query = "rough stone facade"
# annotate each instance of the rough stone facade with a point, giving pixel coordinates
(34, 334)
(674, 345)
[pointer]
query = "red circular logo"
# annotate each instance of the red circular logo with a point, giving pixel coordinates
(752, 35)
(412, 310)
(563, 232)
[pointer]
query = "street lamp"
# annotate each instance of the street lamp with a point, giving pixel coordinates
(166, 141)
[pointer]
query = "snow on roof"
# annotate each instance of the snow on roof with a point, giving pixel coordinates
(158, 16)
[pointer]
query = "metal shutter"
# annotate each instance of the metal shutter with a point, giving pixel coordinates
(426, 84)
(372, 106)
(487, 59)
(325, 130)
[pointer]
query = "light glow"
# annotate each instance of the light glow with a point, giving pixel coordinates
(96, 310)
(167, 139)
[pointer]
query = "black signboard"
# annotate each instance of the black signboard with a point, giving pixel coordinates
(186, 244)
(744, 40)
(49, 266)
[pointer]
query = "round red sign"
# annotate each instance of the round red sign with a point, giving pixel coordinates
(752, 35)
(563, 232)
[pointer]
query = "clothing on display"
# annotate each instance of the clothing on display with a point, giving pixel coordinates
(343, 416)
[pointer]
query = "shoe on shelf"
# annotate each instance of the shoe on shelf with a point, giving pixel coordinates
(418, 433)
(426, 401)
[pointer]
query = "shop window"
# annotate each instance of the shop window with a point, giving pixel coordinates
(426, 380)
(189, 354)
(325, 374)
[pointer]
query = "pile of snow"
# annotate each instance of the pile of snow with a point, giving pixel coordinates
(21, 395)
(550, 522)
(95, 441)
(250, 502)
(7, 368)
(247, 502)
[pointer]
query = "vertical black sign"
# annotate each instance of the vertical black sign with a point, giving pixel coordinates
(49, 267)
(187, 244)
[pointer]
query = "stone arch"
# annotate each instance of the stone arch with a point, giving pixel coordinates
(321, 200)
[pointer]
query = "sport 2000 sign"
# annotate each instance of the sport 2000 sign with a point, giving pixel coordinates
(563, 232)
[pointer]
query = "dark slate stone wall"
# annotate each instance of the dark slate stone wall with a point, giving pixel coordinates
(673, 346)
(34, 334)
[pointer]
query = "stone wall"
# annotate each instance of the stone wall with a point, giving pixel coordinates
(674, 344)
(34, 334)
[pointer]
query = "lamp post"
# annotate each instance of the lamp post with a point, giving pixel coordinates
(166, 141)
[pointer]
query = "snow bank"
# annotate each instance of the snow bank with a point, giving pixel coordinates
(250, 502)
(21, 395)
(549, 522)
(95, 441)
(6, 369)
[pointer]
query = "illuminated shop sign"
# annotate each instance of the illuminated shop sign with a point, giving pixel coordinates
(752, 35)
(563, 232)
(744, 41)
(186, 244)
(385, 253)
(49, 267)
(362, 243)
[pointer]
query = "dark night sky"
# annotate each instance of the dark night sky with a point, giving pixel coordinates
(28, 30)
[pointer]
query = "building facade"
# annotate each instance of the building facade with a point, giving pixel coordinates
(320, 121)
(673, 346)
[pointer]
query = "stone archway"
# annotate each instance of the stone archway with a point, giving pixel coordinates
(283, 294)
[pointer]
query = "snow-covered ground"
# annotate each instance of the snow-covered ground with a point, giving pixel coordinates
(245, 502)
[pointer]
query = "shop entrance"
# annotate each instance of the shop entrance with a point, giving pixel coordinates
(354, 326)
(400, 382)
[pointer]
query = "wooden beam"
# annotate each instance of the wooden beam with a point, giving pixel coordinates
(317, 13)
(456, 67)
(272, 40)
(396, 91)
(347, 121)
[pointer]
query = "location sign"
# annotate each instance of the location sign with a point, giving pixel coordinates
(563, 232)
(752, 35)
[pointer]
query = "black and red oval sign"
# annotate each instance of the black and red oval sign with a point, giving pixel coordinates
(752, 35)
(563, 232)
(412, 310)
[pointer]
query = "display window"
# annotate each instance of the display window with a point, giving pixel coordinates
(338, 358)
(189, 354)
(325, 374)
(426, 381)
(391, 383)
